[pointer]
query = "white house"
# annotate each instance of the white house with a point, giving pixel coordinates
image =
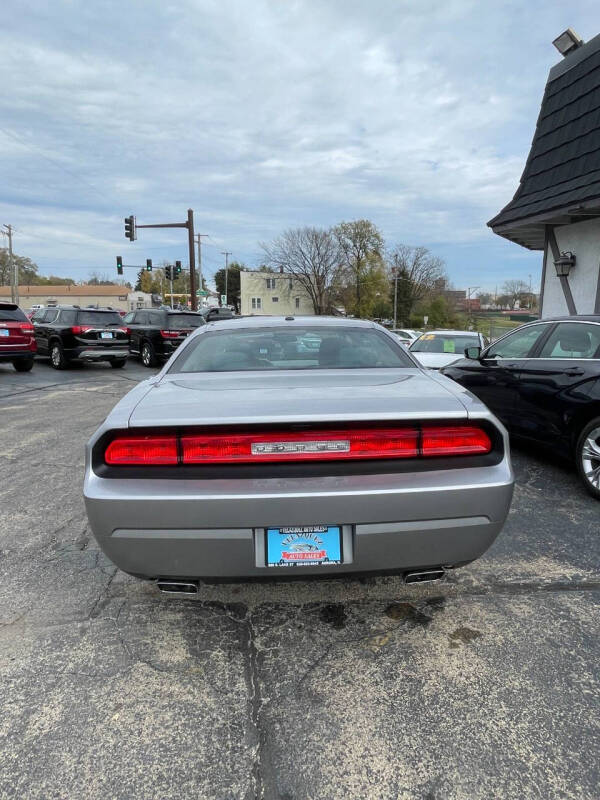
(556, 208)
(273, 293)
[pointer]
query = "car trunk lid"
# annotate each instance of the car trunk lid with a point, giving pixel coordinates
(249, 398)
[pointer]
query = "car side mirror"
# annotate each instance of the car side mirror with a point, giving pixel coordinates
(474, 353)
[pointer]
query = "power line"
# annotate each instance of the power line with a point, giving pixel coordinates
(34, 148)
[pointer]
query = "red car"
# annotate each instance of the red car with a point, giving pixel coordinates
(17, 342)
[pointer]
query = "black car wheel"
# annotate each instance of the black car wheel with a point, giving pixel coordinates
(117, 363)
(588, 457)
(23, 366)
(148, 355)
(57, 356)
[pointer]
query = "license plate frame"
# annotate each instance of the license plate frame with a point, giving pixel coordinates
(106, 335)
(4, 332)
(290, 547)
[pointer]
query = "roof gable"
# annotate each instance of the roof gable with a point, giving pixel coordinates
(562, 171)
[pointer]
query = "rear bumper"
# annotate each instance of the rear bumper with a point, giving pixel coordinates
(17, 355)
(216, 529)
(99, 353)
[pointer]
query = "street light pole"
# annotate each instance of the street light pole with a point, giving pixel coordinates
(226, 253)
(395, 271)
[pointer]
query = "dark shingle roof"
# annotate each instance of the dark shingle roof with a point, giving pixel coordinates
(563, 168)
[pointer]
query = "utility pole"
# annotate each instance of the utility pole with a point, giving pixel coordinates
(12, 267)
(530, 298)
(395, 271)
(226, 253)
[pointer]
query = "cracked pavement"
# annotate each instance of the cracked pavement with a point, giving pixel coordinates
(483, 686)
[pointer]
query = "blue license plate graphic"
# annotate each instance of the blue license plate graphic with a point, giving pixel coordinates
(304, 545)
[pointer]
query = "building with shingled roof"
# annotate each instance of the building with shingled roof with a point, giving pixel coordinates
(556, 208)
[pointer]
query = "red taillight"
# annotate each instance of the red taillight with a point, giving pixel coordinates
(454, 441)
(337, 444)
(26, 327)
(316, 445)
(170, 334)
(80, 328)
(142, 450)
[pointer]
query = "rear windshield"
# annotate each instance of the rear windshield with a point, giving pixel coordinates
(12, 314)
(442, 343)
(282, 348)
(185, 321)
(99, 318)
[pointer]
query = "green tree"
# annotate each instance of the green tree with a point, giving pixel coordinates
(233, 283)
(360, 246)
(27, 269)
(144, 281)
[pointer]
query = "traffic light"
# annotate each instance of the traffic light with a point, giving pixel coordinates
(149, 264)
(130, 228)
(119, 265)
(168, 273)
(177, 268)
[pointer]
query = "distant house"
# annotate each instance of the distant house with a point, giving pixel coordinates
(556, 208)
(120, 297)
(273, 293)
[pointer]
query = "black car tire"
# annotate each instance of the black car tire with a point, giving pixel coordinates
(148, 355)
(23, 366)
(57, 356)
(117, 363)
(587, 453)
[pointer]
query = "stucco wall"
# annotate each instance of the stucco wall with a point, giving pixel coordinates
(583, 239)
(254, 284)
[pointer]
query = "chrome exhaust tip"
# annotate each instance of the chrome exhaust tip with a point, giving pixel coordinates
(177, 587)
(426, 576)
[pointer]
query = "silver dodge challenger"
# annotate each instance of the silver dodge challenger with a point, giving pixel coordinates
(272, 446)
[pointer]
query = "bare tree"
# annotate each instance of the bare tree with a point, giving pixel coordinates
(514, 289)
(419, 272)
(311, 256)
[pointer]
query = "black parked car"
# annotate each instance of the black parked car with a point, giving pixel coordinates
(216, 313)
(155, 333)
(69, 333)
(543, 381)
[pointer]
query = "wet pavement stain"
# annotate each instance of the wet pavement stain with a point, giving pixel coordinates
(334, 614)
(463, 636)
(406, 612)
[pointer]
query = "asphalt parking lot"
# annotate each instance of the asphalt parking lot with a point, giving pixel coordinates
(483, 686)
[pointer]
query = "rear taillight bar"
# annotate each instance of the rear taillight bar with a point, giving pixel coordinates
(143, 450)
(170, 334)
(337, 444)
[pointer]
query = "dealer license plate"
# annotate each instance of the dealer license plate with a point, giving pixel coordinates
(106, 335)
(304, 545)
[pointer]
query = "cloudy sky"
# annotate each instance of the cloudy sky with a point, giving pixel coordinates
(268, 114)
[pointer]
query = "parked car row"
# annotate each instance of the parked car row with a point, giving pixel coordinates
(67, 334)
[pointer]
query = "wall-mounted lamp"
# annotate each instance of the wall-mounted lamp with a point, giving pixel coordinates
(564, 263)
(567, 42)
